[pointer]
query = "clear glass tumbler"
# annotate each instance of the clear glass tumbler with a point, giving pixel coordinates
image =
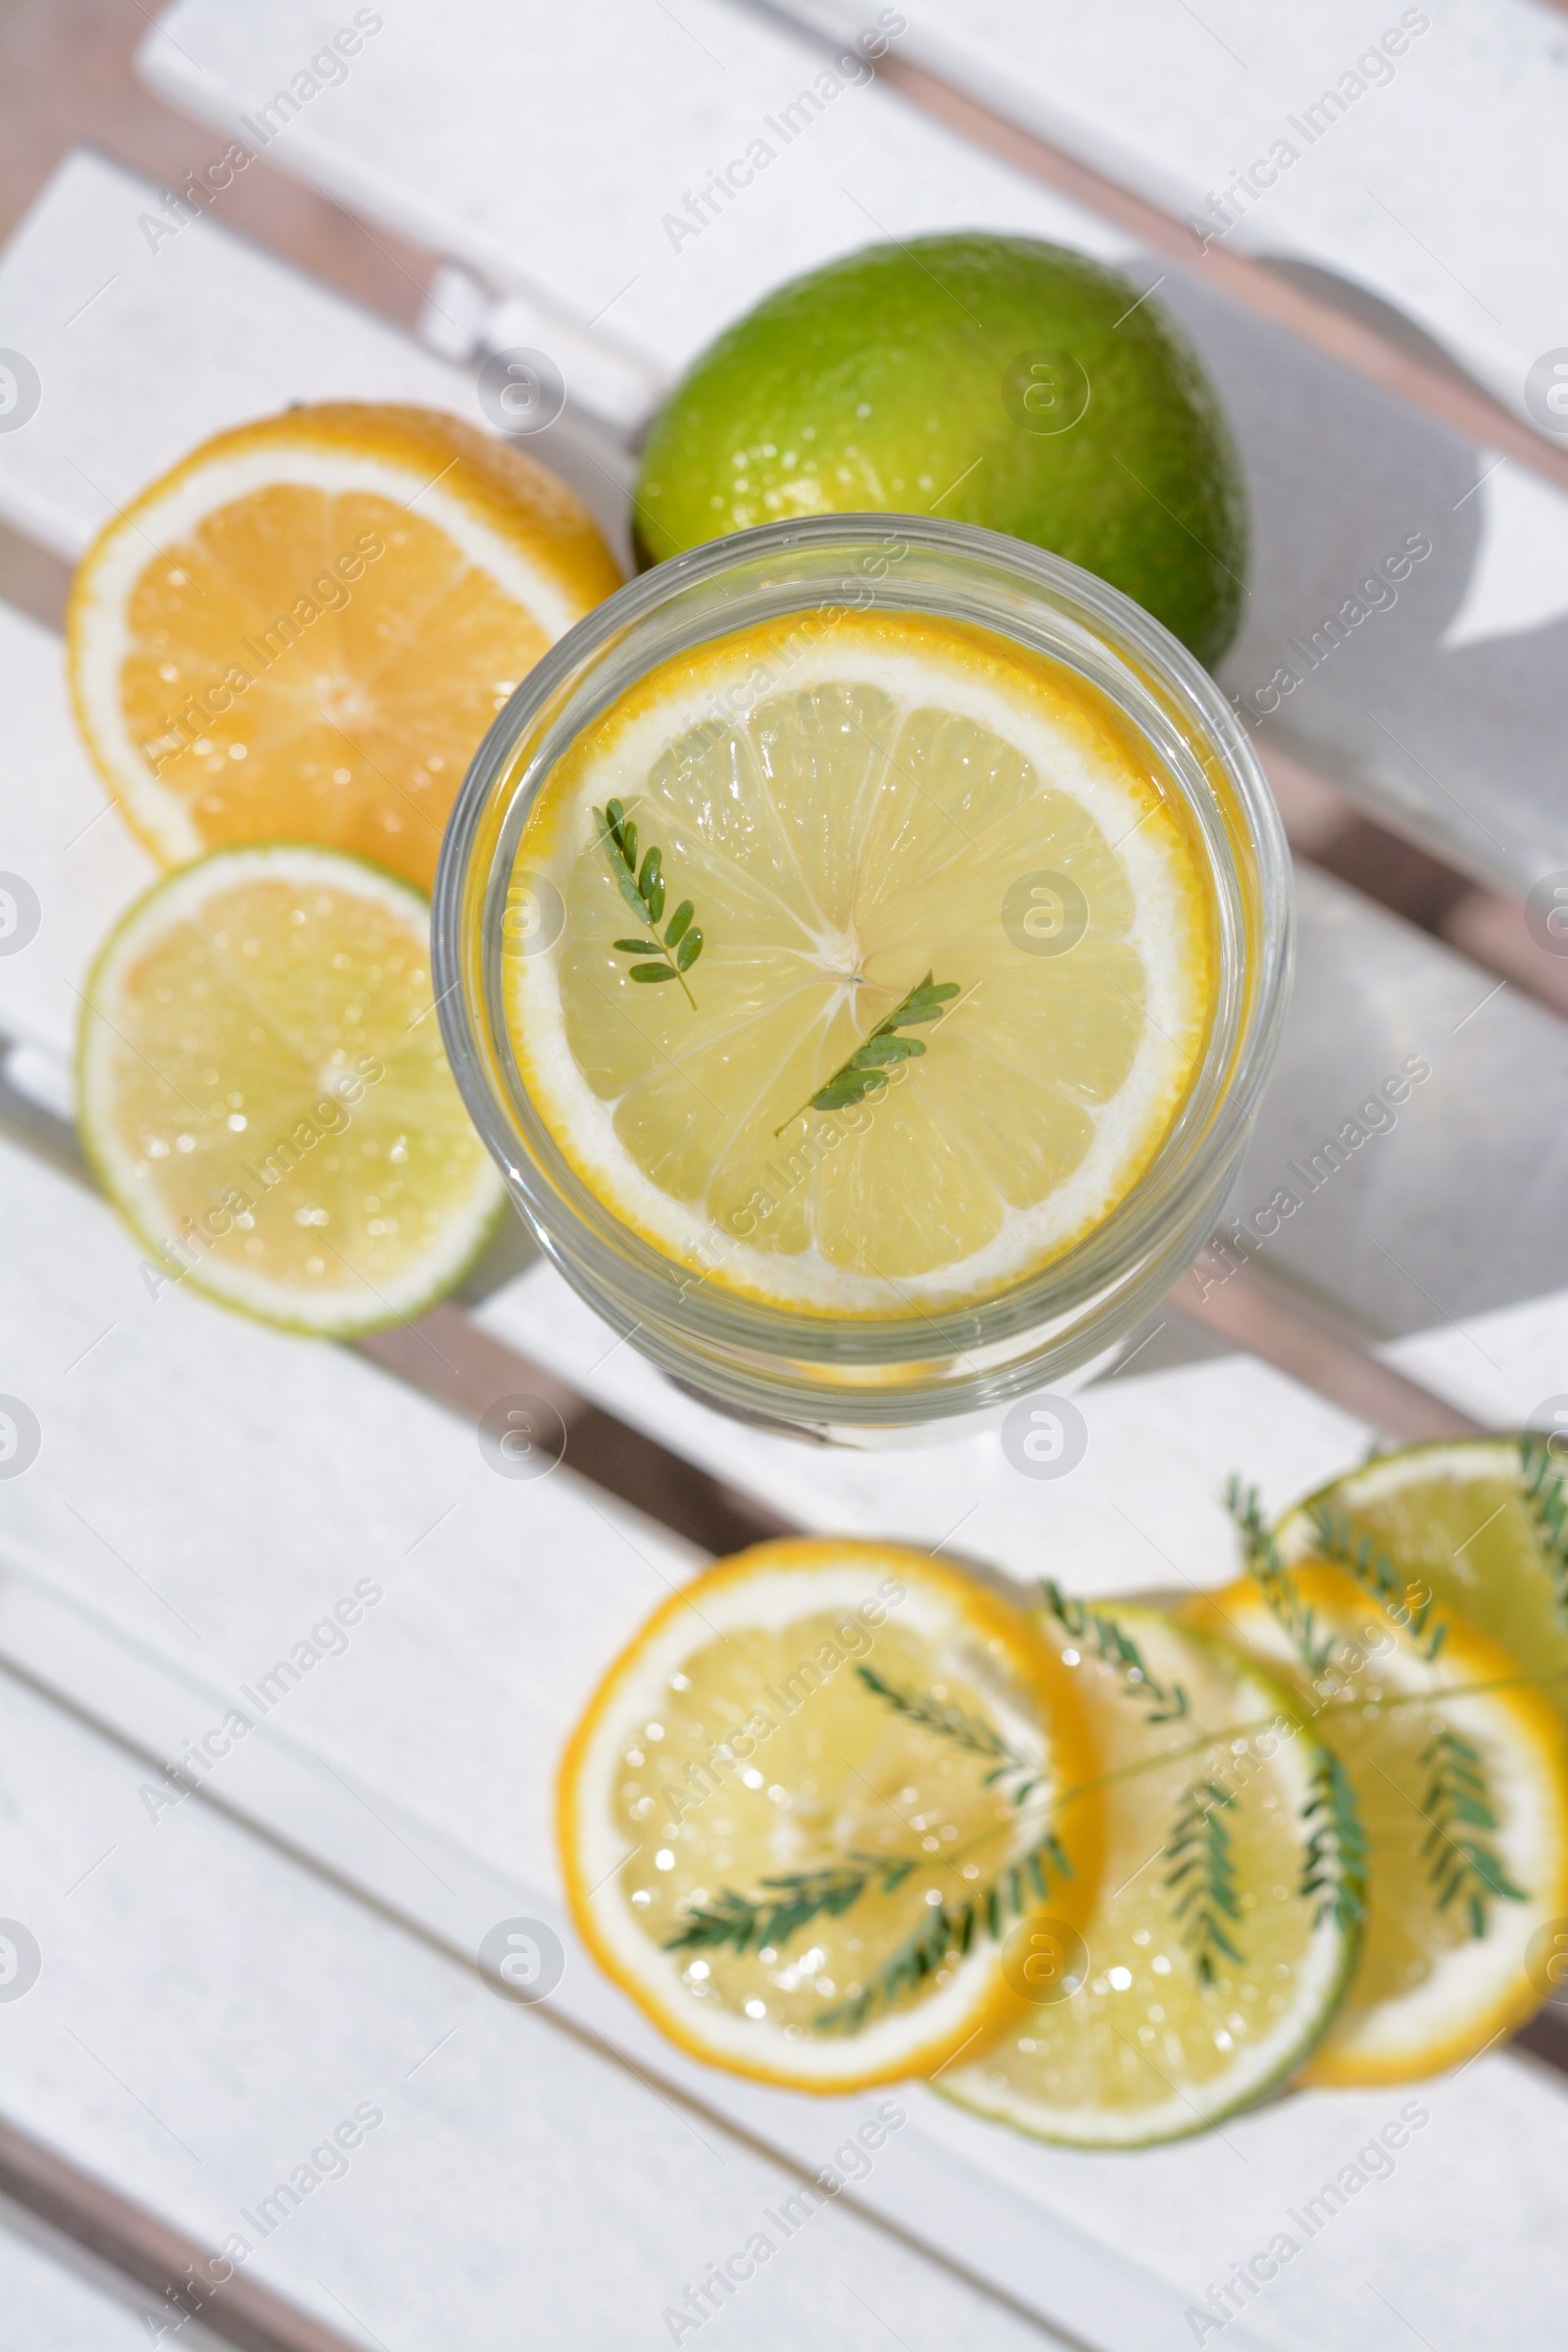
(851, 1378)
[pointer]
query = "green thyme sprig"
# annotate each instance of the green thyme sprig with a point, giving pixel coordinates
(951, 1721)
(751, 1923)
(1097, 1631)
(1547, 1499)
(1376, 1574)
(644, 894)
(1204, 1867)
(1334, 1865)
(1266, 1564)
(950, 1927)
(868, 1065)
(1461, 1865)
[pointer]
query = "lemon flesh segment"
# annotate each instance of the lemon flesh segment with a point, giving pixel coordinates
(902, 796)
(1124, 2044)
(303, 630)
(1455, 1519)
(263, 1094)
(735, 1743)
(1426, 1992)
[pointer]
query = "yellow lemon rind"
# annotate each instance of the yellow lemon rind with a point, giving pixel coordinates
(512, 518)
(1469, 1657)
(893, 2049)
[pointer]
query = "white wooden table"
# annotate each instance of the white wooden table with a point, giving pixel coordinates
(227, 1978)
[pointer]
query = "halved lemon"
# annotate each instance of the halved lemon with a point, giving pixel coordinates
(845, 805)
(304, 629)
(263, 1094)
(1476, 1522)
(1460, 1770)
(772, 1847)
(1147, 2028)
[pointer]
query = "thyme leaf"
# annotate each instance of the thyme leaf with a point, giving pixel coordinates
(1334, 1862)
(950, 1927)
(1461, 1865)
(951, 1721)
(1266, 1564)
(1204, 1867)
(1548, 1509)
(1099, 1631)
(750, 1921)
(868, 1065)
(1376, 1574)
(644, 892)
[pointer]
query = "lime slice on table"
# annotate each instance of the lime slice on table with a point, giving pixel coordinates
(1460, 1772)
(1477, 1522)
(264, 1096)
(1148, 2027)
(791, 1871)
(911, 800)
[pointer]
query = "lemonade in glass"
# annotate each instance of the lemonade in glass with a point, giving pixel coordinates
(862, 942)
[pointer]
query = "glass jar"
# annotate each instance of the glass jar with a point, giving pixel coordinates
(850, 1379)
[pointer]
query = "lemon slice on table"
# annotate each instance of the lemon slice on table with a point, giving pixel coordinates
(1476, 1522)
(1150, 2024)
(263, 1094)
(1460, 1771)
(790, 1819)
(304, 629)
(839, 809)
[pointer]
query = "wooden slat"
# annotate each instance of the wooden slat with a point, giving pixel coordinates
(1366, 195)
(146, 349)
(1263, 1316)
(292, 1465)
(188, 1957)
(1502, 1059)
(56, 2298)
(140, 2247)
(1438, 711)
(63, 837)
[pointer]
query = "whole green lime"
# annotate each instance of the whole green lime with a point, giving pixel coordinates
(991, 379)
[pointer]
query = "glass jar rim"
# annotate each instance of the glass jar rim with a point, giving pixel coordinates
(1019, 591)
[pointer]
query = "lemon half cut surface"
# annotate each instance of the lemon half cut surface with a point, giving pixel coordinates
(847, 804)
(1452, 1754)
(737, 1752)
(264, 1096)
(302, 630)
(1137, 2043)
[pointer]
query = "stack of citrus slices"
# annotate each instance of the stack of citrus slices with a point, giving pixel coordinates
(283, 655)
(1106, 1872)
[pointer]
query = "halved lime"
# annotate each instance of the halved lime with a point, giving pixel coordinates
(264, 1095)
(1162, 2027)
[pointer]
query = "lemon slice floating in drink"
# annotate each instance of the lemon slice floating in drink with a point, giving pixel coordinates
(805, 1803)
(264, 1096)
(1208, 1967)
(885, 962)
(1460, 1769)
(302, 630)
